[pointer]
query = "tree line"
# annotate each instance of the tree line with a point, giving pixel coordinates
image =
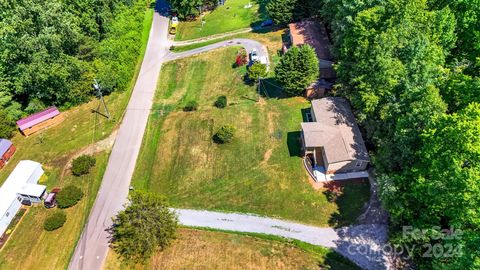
(51, 50)
(410, 69)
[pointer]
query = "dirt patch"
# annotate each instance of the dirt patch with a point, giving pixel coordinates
(92, 149)
(266, 157)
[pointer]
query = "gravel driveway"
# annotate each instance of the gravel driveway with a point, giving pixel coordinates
(361, 244)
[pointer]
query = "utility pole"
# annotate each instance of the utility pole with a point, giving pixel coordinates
(101, 101)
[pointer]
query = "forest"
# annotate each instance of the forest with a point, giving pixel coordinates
(52, 50)
(410, 69)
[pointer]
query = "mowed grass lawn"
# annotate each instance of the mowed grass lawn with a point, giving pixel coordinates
(260, 172)
(30, 247)
(230, 17)
(197, 249)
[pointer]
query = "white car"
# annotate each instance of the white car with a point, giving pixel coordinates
(174, 22)
(254, 56)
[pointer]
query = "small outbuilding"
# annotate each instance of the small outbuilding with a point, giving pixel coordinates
(39, 121)
(331, 141)
(20, 187)
(7, 149)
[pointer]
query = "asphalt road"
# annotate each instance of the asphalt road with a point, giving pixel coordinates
(92, 247)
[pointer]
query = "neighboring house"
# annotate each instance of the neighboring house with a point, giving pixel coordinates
(332, 141)
(314, 34)
(21, 185)
(7, 149)
(39, 121)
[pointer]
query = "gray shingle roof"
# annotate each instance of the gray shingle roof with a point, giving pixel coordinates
(335, 130)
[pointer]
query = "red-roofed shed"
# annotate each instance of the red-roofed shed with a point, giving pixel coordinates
(39, 121)
(6, 151)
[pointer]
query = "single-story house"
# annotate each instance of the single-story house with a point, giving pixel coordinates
(39, 121)
(21, 185)
(332, 141)
(314, 34)
(7, 149)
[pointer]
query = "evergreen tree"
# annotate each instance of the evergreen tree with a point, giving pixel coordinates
(297, 69)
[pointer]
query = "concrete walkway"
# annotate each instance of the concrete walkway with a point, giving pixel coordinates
(361, 244)
(93, 245)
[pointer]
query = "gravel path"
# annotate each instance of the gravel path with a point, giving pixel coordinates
(218, 36)
(361, 243)
(248, 44)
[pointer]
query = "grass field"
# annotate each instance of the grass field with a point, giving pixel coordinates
(54, 147)
(260, 172)
(197, 249)
(230, 17)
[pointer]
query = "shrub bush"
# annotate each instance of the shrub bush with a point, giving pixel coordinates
(221, 102)
(224, 135)
(256, 70)
(82, 165)
(241, 59)
(69, 196)
(55, 221)
(191, 106)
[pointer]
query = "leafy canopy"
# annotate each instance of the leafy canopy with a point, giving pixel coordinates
(297, 69)
(69, 196)
(144, 227)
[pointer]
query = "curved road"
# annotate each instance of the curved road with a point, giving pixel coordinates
(93, 245)
(362, 244)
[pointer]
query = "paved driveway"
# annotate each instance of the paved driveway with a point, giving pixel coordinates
(92, 247)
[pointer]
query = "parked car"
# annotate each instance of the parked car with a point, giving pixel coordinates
(267, 23)
(254, 55)
(174, 22)
(51, 201)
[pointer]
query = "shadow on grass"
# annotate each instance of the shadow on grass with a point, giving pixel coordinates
(294, 143)
(270, 88)
(262, 11)
(350, 196)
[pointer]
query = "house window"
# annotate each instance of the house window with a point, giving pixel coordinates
(359, 164)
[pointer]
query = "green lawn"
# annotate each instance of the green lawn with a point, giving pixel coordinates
(54, 147)
(260, 172)
(230, 17)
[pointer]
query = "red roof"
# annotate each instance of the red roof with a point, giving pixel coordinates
(37, 118)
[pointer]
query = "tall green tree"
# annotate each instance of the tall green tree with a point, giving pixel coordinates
(297, 69)
(144, 227)
(282, 12)
(186, 8)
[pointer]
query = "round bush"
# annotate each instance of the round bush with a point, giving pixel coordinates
(69, 196)
(82, 165)
(55, 221)
(224, 135)
(191, 106)
(221, 102)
